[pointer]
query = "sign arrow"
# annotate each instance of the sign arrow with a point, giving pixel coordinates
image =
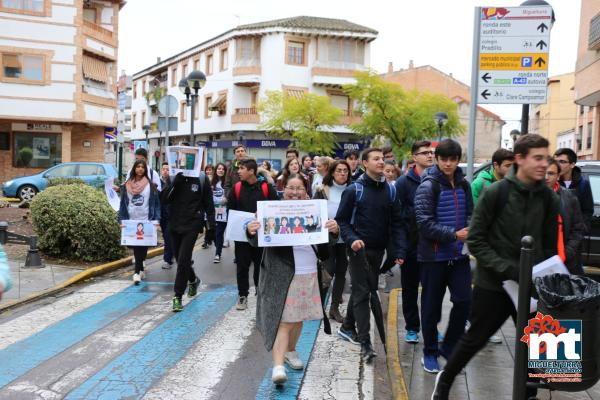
(486, 78)
(541, 44)
(542, 27)
(540, 61)
(485, 94)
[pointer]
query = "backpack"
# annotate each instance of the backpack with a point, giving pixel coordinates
(359, 188)
(237, 189)
(502, 198)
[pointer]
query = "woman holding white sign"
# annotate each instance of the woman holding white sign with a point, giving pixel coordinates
(288, 288)
(218, 187)
(139, 201)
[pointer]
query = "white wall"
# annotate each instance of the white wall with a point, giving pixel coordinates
(36, 31)
(99, 46)
(99, 114)
(60, 91)
(36, 109)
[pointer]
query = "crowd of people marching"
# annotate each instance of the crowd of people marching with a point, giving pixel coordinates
(427, 219)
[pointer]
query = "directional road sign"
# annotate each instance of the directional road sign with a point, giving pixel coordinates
(513, 54)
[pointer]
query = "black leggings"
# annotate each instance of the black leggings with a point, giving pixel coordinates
(139, 256)
(183, 247)
(337, 265)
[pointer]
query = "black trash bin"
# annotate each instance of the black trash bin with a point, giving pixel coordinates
(570, 297)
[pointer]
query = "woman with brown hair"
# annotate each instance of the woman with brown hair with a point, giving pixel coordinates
(291, 167)
(288, 289)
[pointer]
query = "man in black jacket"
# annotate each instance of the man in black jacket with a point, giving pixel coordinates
(572, 179)
(189, 199)
(243, 196)
(369, 211)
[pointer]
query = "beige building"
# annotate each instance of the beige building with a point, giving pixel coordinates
(587, 81)
(58, 81)
(488, 134)
(557, 116)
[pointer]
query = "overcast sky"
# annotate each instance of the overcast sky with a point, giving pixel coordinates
(434, 32)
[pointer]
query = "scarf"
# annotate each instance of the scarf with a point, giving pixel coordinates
(136, 187)
(561, 235)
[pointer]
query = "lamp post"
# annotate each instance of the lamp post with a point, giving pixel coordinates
(190, 86)
(146, 128)
(440, 118)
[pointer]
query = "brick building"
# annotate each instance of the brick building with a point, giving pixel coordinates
(58, 81)
(426, 78)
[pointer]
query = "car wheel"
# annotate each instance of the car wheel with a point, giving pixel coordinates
(27, 192)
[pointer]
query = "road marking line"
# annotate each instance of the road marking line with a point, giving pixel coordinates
(66, 371)
(34, 350)
(399, 390)
(133, 373)
(196, 375)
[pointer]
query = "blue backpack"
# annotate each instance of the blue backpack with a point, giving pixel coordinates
(359, 188)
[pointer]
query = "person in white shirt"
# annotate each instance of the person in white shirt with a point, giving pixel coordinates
(142, 154)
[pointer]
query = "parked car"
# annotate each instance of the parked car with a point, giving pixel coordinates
(591, 243)
(26, 187)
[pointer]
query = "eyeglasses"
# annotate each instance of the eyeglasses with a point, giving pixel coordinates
(341, 171)
(296, 188)
(425, 153)
(563, 161)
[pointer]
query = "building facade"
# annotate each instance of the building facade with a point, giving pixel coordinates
(57, 82)
(558, 115)
(488, 132)
(587, 82)
(293, 55)
(566, 140)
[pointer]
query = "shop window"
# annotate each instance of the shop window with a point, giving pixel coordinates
(36, 150)
(4, 141)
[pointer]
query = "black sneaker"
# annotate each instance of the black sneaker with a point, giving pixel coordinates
(205, 245)
(441, 389)
(348, 334)
(367, 352)
(193, 288)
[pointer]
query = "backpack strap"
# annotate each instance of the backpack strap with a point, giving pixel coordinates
(237, 188)
(501, 197)
(265, 190)
(358, 192)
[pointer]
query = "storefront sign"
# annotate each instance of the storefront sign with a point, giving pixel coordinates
(34, 127)
(267, 143)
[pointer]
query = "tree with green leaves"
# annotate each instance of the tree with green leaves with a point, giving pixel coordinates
(307, 120)
(401, 116)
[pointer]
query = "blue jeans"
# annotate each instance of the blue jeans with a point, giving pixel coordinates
(435, 278)
(168, 254)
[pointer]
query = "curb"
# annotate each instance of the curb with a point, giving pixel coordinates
(10, 199)
(399, 391)
(82, 276)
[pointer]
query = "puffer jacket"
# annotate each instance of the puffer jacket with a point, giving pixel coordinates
(406, 186)
(439, 218)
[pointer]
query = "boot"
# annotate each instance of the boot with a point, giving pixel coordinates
(334, 313)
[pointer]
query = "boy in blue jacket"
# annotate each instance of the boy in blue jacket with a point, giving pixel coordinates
(443, 206)
(369, 212)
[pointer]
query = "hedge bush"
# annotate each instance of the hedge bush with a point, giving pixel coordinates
(65, 181)
(75, 221)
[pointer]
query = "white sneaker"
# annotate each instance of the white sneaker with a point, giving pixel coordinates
(292, 359)
(382, 281)
(279, 376)
(142, 274)
(495, 339)
(217, 259)
(136, 279)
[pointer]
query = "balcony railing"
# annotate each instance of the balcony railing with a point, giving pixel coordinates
(246, 111)
(245, 116)
(98, 29)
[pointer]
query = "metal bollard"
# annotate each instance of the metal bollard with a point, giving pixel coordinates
(525, 270)
(3, 232)
(33, 255)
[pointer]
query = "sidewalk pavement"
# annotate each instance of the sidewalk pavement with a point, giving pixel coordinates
(489, 375)
(31, 280)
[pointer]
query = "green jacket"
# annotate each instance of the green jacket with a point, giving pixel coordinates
(483, 180)
(495, 240)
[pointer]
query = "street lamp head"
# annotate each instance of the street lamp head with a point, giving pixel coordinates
(196, 80)
(183, 86)
(441, 118)
(514, 134)
(146, 127)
